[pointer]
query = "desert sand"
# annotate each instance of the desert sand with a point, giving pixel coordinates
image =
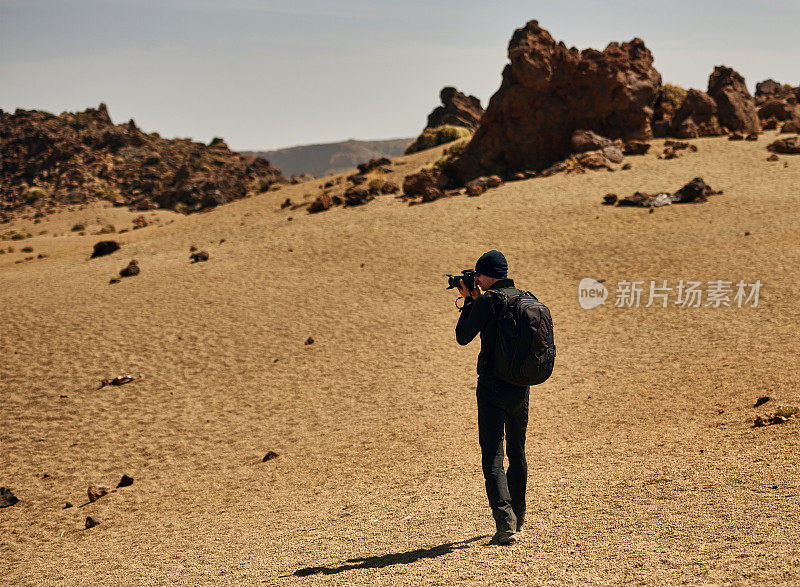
(643, 463)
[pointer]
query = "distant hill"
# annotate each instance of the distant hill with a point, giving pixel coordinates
(329, 158)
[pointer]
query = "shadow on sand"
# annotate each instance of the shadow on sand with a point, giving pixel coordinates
(395, 558)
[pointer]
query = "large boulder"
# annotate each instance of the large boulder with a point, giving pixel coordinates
(736, 108)
(548, 92)
(697, 117)
(457, 109)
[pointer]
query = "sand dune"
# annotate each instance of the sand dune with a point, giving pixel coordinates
(643, 465)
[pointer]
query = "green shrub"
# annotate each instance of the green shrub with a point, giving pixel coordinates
(432, 137)
(673, 94)
(787, 411)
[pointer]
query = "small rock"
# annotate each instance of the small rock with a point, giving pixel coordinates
(103, 248)
(114, 280)
(626, 166)
(269, 456)
(91, 522)
(310, 340)
(125, 481)
(286, 203)
(192, 249)
(95, 492)
(199, 256)
(7, 498)
(131, 270)
(753, 136)
(773, 157)
(764, 398)
(610, 199)
(747, 233)
(67, 505)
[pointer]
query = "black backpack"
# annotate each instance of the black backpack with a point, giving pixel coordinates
(524, 350)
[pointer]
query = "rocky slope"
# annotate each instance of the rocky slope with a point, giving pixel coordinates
(47, 161)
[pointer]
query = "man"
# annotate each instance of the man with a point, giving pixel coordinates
(500, 404)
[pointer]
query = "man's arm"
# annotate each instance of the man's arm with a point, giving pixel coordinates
(473, 318)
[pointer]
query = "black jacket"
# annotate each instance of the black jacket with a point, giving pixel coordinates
(480, 315)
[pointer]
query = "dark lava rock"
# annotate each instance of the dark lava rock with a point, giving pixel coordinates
(131, 270)
(7, 497)
(199, 257)
(91, 522)
(125, 481)
(457, 109)
(310, 340)
(761, 401)
(787, 146)
(322, 202)
(269, 456)
(736, 108)
(95, 492)
(104, 248)
(550, 91)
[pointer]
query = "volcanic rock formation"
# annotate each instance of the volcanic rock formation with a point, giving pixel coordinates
(48, 160)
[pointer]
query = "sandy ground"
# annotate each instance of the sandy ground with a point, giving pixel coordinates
(643, 463)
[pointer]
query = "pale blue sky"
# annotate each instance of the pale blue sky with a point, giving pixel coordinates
(266, 74)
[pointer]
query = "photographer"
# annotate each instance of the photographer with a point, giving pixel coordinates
(501, 405)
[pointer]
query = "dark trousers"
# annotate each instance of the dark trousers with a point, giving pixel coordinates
(500, 407)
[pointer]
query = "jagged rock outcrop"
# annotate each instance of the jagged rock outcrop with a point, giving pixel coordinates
(736, 108)
(48, 160)
(457, 109)
(777, 103)
(547, 93)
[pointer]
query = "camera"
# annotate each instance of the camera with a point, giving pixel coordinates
(467, 275)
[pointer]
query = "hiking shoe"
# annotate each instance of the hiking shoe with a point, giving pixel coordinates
(505, 537)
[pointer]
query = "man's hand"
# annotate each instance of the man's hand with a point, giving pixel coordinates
(462, 289)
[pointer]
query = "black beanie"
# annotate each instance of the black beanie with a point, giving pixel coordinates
(492, 264)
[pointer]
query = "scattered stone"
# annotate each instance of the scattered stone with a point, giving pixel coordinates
(125, 481)
(192, 249)
(427, 183)
(770, 124)
(479, 185)
(626, 166)
(787, 146)
(773, 157)
(139, 222)
(586, 140)
(764, 398)
(636, 148)
(736, 136)
(95, 492)
(199, 256)
(694, 191)
(67, 505)
(357, 179)
(322, 202)
(753, 136)
(610, 199)
(131, 270)
(791, 126)
(310, 340)
(269, 456)
(118, 380)
(7, 497)
(103, 248)
(747, 233)
(114, 280)
(375, 163)
(91, 522)
(357, 196)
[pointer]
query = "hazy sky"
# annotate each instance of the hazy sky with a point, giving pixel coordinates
(265, 74)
